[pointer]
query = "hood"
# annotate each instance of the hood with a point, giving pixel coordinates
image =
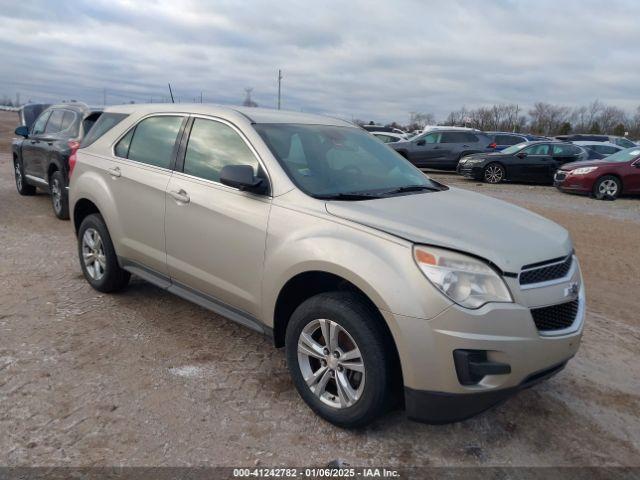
(586, 163)
(507, 235)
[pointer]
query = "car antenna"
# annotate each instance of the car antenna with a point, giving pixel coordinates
(171, 93)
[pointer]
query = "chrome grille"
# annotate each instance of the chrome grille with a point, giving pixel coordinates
(551, 270)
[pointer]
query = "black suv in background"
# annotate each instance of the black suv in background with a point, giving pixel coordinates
(442, 148)
(41, 157)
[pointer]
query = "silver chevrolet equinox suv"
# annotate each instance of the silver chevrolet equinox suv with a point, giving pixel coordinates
(385, 287)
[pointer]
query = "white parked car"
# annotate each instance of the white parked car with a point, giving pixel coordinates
(598, 150)
(389, 137)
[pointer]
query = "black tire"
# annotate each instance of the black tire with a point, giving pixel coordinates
(59, 195)
(357, 318)
(113, 278)
(21, 185)
(493, 173)
(607, 187)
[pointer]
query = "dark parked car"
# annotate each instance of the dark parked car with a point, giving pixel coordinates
(40, 159)
(442, 149)
(506, 139)
(617, 174)
(534, 162)
(580, 137)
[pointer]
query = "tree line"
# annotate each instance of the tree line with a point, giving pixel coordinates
(542, 119)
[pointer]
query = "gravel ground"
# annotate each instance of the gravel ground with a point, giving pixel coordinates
(144, 378)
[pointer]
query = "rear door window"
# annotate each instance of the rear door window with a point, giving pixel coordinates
(54, 125)
(508, 140)
(564, 150)
(67, 120)
(453, 137)
(152, 141)
(537, 150)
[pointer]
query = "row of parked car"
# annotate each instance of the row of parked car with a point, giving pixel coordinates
(601, 165)
(383, 286)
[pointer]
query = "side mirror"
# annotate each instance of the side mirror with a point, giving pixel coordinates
(22, 131)
(242, 178)
(421, 142)
(636, 164)
(522, 155)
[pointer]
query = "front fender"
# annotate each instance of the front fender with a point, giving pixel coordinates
(380, 265)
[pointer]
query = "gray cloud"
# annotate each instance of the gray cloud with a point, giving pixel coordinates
(367, 59)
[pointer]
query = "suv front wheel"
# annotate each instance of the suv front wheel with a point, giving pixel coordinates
(97, 256)
(338, 358)
(21, 185)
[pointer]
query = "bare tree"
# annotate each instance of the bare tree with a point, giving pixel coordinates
(546, 119)
(419, 120)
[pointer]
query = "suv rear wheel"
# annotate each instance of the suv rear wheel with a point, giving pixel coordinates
(338, 359)
(97, 256)
(22, 187)
(59, 195)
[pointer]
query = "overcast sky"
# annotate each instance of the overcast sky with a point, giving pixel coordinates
(367, 59)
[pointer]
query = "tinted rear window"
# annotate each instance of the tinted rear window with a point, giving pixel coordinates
(55, 122)
(97, 128)
(508, 139)
(153, 140)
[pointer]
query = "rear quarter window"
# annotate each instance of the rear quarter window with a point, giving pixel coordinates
(98, 127)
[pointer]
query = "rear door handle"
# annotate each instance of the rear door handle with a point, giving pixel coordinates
(114, 172)
(34, 141)
(180, 196)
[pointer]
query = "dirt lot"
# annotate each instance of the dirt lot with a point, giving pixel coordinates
(145, 378)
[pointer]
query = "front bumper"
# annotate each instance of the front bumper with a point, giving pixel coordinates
(441, 407)
(468, 170)
(565, 182)
(506, 335)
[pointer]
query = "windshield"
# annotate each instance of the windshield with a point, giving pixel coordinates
(624, 155)
(514, 148)
(324, 160)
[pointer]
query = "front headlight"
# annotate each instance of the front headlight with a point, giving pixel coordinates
(583, 170)
(469, 282)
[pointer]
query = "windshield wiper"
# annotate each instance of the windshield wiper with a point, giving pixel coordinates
(348, 196)
(412, 188)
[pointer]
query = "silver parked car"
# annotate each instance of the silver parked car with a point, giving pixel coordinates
(384, 286)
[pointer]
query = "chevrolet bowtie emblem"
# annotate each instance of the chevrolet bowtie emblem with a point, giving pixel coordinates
(572, 290)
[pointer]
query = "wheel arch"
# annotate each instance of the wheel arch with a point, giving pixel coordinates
(308, 284)
(81, 210)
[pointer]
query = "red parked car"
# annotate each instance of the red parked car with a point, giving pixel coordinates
(606, 178)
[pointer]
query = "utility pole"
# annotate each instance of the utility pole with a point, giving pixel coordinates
(201, 97)
(279, 86)
(171, 93)
(104, 96)
(17, 99)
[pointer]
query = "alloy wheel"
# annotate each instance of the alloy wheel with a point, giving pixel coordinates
(331, 363)
(493, 174)
(18, 175)
(608, 187)
(56, 194)
(93, 255)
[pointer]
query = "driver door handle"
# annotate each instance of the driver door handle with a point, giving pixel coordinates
(180, 196)
(114, 171)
